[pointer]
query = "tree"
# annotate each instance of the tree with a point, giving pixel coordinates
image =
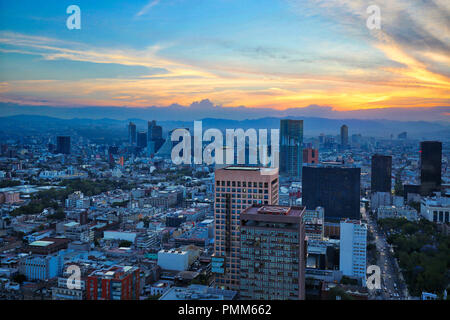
(335, 292)
(58, 215)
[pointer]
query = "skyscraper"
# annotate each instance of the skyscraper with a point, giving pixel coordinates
(142, 139)
(353, 248)
(291, 148)
(154, 131)
(335, 188)
(237, 187)
(132, 133)
(344, 136)
(272, 253)
(154, 134)
(63, 144)
(381, 173)
(430, 166)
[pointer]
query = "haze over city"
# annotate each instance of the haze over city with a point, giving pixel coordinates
(230, 158)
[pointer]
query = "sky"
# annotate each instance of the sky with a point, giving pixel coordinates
(277, 54)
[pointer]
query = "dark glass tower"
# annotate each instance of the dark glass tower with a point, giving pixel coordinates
(154, 134)
(291, 148)
(132, 133)
(381, 173)
(63, 145)
(142, 139)
(344, 136)
(336, 189)
(430, 166)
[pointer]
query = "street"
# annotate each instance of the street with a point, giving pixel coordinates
(393, 286)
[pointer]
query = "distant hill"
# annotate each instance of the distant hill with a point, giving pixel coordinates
(29, 124)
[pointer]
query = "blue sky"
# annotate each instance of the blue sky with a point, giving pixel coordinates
(265, 53)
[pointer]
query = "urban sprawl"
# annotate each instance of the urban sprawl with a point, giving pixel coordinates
(343, 216)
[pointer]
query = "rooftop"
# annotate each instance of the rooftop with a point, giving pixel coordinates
(242, 168)
(115, 272)
(198, 292)
(41, 243)
(275, 210)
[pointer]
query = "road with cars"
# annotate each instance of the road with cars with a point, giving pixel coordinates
(393, 286)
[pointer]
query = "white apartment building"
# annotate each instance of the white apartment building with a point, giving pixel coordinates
(436, 209)
(353, 249)
(173, 259)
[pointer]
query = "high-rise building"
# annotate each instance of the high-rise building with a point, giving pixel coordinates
(353, 243)
(115, 283)
(142, 139)
(237, 187)
(154, 131)
(335, 188)
(272, 253)
(344, 136)
(430, 166)
(310, 155)
(154, 136)
(132, 133)
(63, 144)
(291, 145)
(381, 173)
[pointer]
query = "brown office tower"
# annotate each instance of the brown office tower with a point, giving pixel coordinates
(237, 187)
(272, 253)
(310, 155)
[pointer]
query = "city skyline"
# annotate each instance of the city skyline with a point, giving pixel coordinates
(262, 55)
(224, 151)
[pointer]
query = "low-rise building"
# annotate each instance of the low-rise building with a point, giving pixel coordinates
(406, 212)
(114, 283)
(177, 260)
(198, 292)
(436, 209)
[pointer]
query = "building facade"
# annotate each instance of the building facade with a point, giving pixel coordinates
(436, 209)
(63, 144)
(237, 187)
(310, 155)
(115, 283)
(381, 173)
(314, 223)
(406, 212)
(131, 133)
(335, 188)
(430, 167)
(353, 249)
(291, 148)
(142, 139)
(272, 253)
(344, 135)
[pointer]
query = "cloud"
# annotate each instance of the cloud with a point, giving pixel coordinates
(420, 30)
(207, 109)
(147, 8)
(404, 65)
